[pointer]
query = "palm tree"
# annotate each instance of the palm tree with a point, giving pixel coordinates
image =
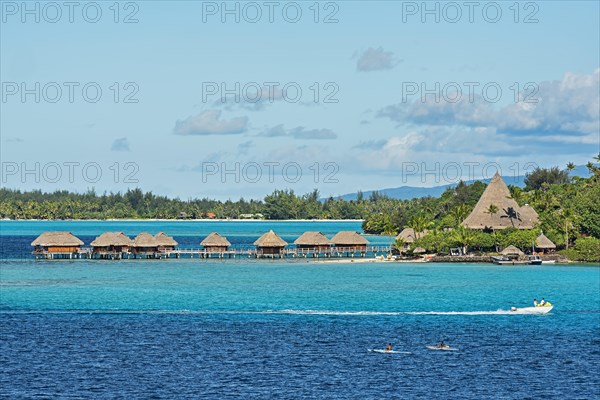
(390, 230)
(492, 209)
(464, 237)
(459, 213)
(418, 223)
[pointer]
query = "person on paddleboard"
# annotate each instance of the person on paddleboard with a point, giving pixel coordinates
(388, 347)
(442, 345)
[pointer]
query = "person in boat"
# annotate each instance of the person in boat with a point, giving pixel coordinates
(535, 302)
(388, 347)
(543, 302)
(442, 345)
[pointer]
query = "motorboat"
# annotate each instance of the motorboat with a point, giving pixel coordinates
(532, 310)
(535, 260)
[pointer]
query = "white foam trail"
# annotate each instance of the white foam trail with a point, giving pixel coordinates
(266, 312)
(386, 313)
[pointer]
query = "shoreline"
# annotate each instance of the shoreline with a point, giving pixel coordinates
(183, 220)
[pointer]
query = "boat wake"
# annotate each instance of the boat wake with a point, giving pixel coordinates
(265, 312)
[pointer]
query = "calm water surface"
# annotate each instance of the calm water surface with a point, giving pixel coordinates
(245, 329)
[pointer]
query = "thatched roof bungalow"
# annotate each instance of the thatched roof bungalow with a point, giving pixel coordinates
(512, 251)
(508, 214)
(408, 236)
(544, 244)
(112, 241)
(313, 241)
(215, 243)
(57, 242)
(145, 243)
(164, 241)
(419, 250)
(270, 243)
(351, 240)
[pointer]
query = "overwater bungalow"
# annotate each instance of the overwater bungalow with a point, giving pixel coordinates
(165, 242)
(350, 241)
(57, 245)
(145, 245)
(496, 209)
(111, 245)
(543, 244)
(215, 243)
(313, 241)
(270, 244)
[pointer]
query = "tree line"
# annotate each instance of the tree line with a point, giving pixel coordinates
(568, 208)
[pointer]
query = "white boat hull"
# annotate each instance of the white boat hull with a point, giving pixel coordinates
(446, 348)
(532, 310)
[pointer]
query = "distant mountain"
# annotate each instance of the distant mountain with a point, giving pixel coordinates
(413, 192)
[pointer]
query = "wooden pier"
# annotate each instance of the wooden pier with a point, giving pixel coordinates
(231, 253)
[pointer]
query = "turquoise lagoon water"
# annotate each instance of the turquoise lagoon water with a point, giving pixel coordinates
(279, 329)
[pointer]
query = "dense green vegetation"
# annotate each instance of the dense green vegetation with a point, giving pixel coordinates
(569, 211)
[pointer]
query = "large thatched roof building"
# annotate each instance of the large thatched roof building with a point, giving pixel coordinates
(215, 243)
(112, 241)
(270, 243)
(57, 242)
(351, 240)
(508, 213)
(313, 240)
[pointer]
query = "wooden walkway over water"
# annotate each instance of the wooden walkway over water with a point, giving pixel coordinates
(333, 252)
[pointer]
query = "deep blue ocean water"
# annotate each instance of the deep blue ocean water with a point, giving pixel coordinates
(278, 329)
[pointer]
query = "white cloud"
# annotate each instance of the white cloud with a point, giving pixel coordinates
(375, 60)
(567, 107)
(299, 132)
(209, 123)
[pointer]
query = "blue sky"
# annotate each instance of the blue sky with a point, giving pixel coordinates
(372, 95)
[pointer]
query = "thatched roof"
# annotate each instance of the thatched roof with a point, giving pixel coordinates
(529, 216)
(408, 235)
(350, 238)
(542, 242)
(312, 239)
(57, 239)
(145, 239)
(497, 193)
(270, 239)
(419, 250)
(165, 240)
(215, 240)
(511, 250)
(112, 239)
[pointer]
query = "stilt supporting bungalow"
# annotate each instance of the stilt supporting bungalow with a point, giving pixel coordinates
(145, 246)
(166, 245)
(270, 245)
(53, 245)
(216, 245)
(111, 245)
(350, 242)
(313, 244)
